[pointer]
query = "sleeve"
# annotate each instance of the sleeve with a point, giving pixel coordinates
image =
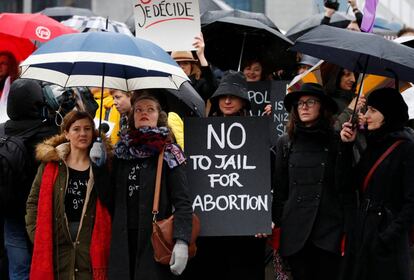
(207, 84)
(177, 127)
(31, 204)
(180, 196)
(326, 20)
(280, 179)
(359, 16)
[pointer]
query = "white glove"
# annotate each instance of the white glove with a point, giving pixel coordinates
(179, 257)
(98, 153)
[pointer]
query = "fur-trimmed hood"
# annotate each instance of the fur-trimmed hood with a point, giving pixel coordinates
(57, 148)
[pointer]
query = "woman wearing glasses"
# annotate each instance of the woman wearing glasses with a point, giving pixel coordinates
(307, 204)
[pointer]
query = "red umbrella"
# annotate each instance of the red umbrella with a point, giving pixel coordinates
(36, 27)
(21, 48)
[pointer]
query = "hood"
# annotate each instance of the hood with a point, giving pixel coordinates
(57, 148)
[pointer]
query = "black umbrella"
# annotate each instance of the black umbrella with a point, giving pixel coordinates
(65, 12)
(229, 40)
(338, 20)
(186, 101)
(358, 51)
(211, 16)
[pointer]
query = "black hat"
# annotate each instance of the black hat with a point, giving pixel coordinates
(25, 100)
(391, 104)
(232, 83)
(312, 89)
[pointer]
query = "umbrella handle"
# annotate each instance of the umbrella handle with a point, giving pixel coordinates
(241, 52)
(100, 107)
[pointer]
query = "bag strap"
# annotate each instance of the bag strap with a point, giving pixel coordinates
(379, 160)
(157, 185)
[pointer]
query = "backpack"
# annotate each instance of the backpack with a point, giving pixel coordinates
(14, 161)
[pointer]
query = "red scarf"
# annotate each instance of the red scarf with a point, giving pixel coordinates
(42, 260)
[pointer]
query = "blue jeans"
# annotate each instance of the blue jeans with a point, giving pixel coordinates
(18, 253)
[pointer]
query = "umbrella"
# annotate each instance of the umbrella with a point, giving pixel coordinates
(358, 52)
(211, 16)
(406, 40)
(85, 24)
(369, 84)
(36, 27)
(21, 48)
(229, 39)
(65, 12)
(338, 19)
(106, 60)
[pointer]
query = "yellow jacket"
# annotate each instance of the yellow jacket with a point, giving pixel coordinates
(109, 112)
(177, 126)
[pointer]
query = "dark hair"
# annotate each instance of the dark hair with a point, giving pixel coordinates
(145, 95)
(248, 62)
(294, 119)
(405, 30)
(331, 77)
(74, 116)
(13, 66)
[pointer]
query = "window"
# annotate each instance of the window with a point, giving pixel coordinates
(40, 5)
(11, 6)
(247, 5)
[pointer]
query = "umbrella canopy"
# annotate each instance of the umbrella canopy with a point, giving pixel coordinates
(338, 19)
(85, 24)
(21, 48)
(103, 59)
(358, 52)
(36, 27)
(211, 16)
(65, 12)
(229, 40)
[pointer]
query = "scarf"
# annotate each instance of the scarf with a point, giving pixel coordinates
(42, 260)
(147, 142)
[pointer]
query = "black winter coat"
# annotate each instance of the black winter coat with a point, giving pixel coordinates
(16, 203)
(206, 85)
(308, 194)
(174, 193)
(379, 247)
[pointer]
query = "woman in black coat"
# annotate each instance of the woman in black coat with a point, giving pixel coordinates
(134, 173)
(379, 246)
(308, 197)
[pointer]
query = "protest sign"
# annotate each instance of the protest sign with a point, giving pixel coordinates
(228, 172)
(171, 24)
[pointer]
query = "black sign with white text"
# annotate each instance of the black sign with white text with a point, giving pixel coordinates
(228, 172)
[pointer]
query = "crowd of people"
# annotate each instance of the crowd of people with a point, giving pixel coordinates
(342, 180)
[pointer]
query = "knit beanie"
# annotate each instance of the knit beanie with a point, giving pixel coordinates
(391, 104)
(25, 100)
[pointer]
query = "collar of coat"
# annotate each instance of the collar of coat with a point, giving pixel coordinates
(57, 148)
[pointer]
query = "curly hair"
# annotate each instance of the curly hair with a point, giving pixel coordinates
(13, 65)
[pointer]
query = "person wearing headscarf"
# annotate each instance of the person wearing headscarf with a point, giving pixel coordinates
(379, 245)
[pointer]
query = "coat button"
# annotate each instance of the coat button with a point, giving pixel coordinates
(78, 242)
(379, 213)
(323, 164)
(76, 270)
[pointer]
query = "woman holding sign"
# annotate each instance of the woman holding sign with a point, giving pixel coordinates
(308, 197)
(134, 174)
(229, 257)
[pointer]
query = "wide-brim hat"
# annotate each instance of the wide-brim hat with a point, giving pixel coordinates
(183, 56)
(312, 89)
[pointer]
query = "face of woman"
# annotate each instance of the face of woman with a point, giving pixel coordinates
(146, 113)
(308, 109)
(186, 66)
(121, 101)
(253, 72)
(347, 80)
(374, 118)
(80, 134)
(230, 105)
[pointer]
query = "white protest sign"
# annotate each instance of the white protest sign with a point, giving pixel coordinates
(171, 24)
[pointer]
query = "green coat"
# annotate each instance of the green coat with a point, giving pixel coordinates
(71, 258)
